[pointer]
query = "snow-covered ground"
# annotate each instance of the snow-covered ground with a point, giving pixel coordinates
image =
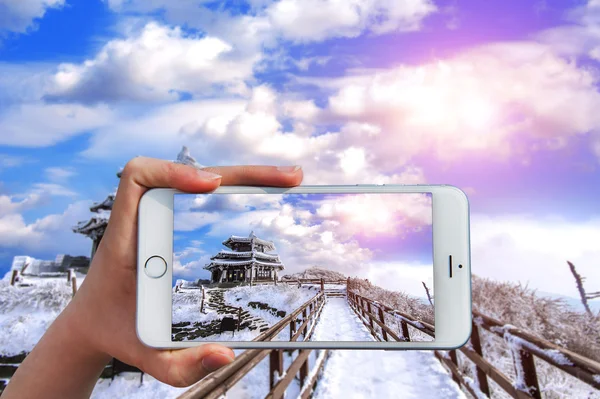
(375, 374)
(127, 385)
(27, 312)
(279, 298)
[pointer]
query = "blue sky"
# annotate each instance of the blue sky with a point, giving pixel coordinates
(499, 98)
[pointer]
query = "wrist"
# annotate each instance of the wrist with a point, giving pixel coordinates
(75, 327)
(74, 330)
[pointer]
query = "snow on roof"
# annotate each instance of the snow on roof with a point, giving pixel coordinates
(245, 254)
(268, 245)
(106, 205)
(96, 224)
(247, 262)
(184, 157)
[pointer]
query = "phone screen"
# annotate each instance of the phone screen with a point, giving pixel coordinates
(303, 267)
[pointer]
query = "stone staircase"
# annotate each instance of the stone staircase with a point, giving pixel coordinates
(215, 302)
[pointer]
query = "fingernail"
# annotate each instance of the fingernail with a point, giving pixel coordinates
(215, 361)
(289, 169)
(208, 175)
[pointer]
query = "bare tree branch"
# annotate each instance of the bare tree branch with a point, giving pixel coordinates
(428, 294)
(579, 282)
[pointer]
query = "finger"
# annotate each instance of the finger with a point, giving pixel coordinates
(182, 368)
(283, 176)
(141, 174)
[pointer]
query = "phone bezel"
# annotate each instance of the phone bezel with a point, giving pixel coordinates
(451, 233)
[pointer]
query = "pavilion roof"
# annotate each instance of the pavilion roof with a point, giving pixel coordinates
(248, 262)
(95, 225)
(105, 205)
(268, 245)
(246, 254)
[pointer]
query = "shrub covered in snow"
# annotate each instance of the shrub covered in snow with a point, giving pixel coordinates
(316, 273)
(397, 300)
(27, 312)
(551, 319)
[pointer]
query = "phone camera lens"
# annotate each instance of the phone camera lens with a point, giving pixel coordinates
(460, 266)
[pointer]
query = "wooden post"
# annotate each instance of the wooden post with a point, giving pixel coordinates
(74, 284)
(303, 372)
(370, 319)
(239, 318)
(13, 278)
(322, 285)
(306, 325)
(202, 301)
(275, 365)
(382, 319)
(529, 376)
(405, 333)
(481, 376)
(454, 360)
(362, 306)
(292, 329)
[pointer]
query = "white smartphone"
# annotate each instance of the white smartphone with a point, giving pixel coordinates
(339, 267)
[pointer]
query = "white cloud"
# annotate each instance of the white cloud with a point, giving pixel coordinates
(10, 205)
(39, 194)
(53, 189)
(19, 16)
(316, 20)
(154, 64)
(411, 282)
(534, 251)
(247, 132)
(11, 161)
(189, 221)
(51, 233)
(301, 21)
(161, 131)
(305, 62)
(581, 36)
(58, 174)
(373, 214)
(477, 101)
(40, 125)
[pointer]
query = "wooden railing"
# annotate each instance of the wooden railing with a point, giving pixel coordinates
(523, 345)
(300, 324)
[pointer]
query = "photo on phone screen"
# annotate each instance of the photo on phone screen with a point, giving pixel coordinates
(337, 267)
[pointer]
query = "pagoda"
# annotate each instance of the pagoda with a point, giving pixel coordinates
(247, 261)
(95, 227)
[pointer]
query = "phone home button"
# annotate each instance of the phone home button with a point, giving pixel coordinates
(155, 267)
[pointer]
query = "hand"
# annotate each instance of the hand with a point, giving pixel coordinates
(101, 317)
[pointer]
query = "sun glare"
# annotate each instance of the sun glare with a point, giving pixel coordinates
(444, 100)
